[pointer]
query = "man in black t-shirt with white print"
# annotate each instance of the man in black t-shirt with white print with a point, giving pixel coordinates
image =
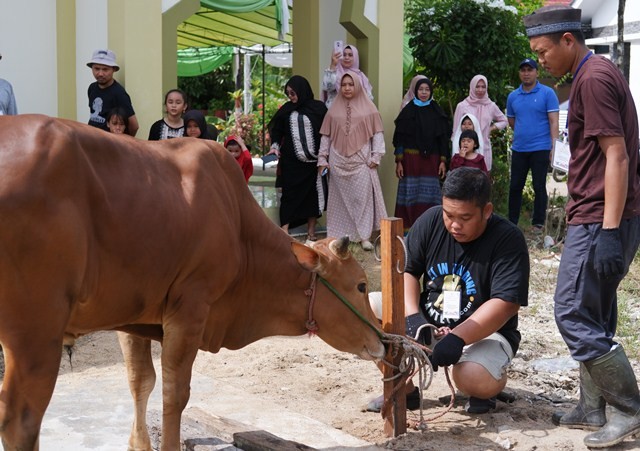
(474, 267)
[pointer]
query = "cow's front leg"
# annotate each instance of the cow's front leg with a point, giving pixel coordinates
(142, 378)
(179, 349)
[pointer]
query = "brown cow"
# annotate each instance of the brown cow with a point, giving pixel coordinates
(161, 240)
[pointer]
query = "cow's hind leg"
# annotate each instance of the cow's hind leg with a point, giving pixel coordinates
(142, 378)
(31, 369)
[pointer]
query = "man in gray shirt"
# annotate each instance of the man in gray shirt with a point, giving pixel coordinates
(7, 99)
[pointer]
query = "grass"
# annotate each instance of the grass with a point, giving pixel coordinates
(628, 332)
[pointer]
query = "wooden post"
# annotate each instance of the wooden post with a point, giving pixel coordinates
(392, 254)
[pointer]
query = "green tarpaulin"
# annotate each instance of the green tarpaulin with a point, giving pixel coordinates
(198, 61)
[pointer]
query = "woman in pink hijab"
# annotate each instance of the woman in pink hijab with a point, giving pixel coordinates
(348, 60)
(485, 110)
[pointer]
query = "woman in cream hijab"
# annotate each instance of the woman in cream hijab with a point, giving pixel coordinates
(351, 147)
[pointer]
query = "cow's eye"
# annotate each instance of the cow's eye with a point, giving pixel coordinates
(362, 287)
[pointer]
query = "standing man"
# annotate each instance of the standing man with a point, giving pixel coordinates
(603, 216)
(468, 275)
(7, 99)
(106, 93)
(532, 111)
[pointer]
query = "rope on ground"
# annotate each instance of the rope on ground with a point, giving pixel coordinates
(415, 361)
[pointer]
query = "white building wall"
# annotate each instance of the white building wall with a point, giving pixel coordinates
(92, 33)
(604, 13)
(28, 47)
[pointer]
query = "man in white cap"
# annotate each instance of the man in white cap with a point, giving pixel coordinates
(106, 93)
(603, 216)
(7, 99)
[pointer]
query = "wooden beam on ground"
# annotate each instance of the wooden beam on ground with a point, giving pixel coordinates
(392, 253)
(265, 441)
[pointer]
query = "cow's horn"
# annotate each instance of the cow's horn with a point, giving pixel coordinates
(340, 247)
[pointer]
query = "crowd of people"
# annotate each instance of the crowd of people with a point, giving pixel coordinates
(467, 272)
(474, 265)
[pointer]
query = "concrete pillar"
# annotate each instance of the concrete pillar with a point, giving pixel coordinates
(145, 41)
(318, 26)
(135, 29)
(65, 55)
(171, 19)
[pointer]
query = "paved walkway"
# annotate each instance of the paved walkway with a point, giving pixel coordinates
(93, 410)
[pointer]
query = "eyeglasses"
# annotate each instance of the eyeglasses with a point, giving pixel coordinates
(290, 93)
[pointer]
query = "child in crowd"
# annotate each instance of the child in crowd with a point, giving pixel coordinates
(195, 125)
(468, 157)
(468, 122)
(236, 146)
(172, 125)
(117, 121)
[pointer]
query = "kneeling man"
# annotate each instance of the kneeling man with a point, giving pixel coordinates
(474, 267)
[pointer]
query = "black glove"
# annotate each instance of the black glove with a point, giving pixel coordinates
(413, 323)
(448, 350)
(607, 259)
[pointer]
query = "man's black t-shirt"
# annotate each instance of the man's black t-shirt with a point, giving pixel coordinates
(101, 101)
(495, 265)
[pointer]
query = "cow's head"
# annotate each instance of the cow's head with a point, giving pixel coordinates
(337, 324)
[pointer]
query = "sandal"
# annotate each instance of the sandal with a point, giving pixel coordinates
(312, 238)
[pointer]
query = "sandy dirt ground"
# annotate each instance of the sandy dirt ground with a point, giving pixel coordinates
(306, 376)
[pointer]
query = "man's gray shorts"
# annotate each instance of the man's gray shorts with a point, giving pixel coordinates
(494, 353)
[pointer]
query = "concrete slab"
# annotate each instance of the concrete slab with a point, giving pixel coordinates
(93, 410)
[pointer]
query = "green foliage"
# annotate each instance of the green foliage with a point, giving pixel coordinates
(217, 91)
(453, 40)
(246, 126)
(209, 91)
(627, 330)
(501, 170)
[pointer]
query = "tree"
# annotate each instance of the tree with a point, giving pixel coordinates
(452, 40)
(619, 47)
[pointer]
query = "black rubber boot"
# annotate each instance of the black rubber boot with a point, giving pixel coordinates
(613, 374)
(589, 414)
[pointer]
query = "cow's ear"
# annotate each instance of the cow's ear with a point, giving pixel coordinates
(308, 258)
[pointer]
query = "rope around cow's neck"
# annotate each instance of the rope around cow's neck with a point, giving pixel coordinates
(310, 324)
(326, 283)
(414, 353)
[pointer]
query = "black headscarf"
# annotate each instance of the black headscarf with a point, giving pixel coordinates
(425, 128)
(306, 104)
(198, 117)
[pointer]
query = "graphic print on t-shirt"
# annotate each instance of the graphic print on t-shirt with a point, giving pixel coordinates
(448, 277)
(96, 106)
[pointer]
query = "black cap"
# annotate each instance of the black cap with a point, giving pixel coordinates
(528, 62)
(552, 19)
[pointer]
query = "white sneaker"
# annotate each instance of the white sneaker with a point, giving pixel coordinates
(366, 245)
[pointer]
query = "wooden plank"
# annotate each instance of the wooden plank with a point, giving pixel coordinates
(392, 253)
(264, 441)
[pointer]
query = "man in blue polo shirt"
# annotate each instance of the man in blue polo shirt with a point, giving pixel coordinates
(532, 111)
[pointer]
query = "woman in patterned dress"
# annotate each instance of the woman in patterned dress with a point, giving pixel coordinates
(351, 148)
